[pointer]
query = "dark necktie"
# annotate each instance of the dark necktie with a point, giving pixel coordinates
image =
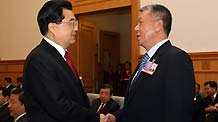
(100, 108)
(68, 60)
(212, 98)
(142, 64)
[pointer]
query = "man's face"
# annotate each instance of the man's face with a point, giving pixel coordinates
(196, 89)
(65, 32)
(105, 95)
(209, 90)
(206, 90)
(3, 99)
(145, 29)
(16, 108)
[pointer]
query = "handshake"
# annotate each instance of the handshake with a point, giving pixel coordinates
(107, 118)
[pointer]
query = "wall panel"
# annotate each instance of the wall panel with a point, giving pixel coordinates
(205, 66)
(83, 6)
(12, 68)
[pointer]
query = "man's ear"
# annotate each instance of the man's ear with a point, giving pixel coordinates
(158, 25)
(52, 28)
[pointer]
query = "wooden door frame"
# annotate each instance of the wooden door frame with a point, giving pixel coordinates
(85, 6)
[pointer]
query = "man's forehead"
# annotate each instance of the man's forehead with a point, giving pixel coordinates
(106, 89)
(68, 13)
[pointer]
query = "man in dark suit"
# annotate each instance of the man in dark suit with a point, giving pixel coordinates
(53, 90)
(20, 82)
(105, 104)
(162, 87)
(9, 86)
(197, 115)
(4, 111)
(210, 103)
(16, 105)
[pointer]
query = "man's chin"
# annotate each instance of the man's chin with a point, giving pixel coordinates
(72, 41)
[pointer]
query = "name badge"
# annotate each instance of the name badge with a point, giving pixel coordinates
(150, 67)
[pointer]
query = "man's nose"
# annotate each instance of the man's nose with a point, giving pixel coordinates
(137, 27)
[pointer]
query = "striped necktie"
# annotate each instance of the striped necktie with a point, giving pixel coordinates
(142, 64)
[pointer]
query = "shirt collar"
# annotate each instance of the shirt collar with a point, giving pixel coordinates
(56, 46)
(155, 47)
(215, 95)
(20, 116)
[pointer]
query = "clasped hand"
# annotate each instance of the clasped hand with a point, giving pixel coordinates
(107, 118)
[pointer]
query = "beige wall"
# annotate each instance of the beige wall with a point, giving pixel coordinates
(194, 29)
(195, 23)
(19, 30)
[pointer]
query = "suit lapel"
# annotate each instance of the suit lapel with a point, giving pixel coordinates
(143, 77)
(107, 107)
(57, 55)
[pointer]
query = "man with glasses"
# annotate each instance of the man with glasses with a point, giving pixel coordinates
(53, 90)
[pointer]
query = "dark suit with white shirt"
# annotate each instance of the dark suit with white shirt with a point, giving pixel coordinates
(165, 96)
(213, 115)
(53, 93)
(5, 113)
(22, 118)
(110, 107)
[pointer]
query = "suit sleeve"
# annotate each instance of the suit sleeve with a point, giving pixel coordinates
(45, 89)
(179, 92)
(115, 107)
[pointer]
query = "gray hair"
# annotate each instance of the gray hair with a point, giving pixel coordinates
(160, 12)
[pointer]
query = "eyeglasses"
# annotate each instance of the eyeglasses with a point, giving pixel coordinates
(72, 22)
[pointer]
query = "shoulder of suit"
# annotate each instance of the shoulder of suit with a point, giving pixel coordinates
(113, 102)
(97, 100)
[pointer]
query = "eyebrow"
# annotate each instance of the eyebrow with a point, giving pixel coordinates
(72, 19)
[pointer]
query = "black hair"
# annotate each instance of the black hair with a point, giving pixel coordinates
(51, 12)
(8, 79)
(107, 86)
(20, 92)
(162, 13)
(20, 79)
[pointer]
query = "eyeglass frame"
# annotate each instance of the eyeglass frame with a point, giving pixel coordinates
(73, 22)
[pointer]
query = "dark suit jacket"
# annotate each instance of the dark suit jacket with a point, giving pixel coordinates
(208, 101)
(165, 96)
(10, 87)
(52, 92)
(211, 116)
(197, 115)
(111, 107)
(23, 119)
(5, 114)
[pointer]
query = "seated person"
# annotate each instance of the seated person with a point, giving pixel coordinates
(9, 86)
(16, 105)
(105, 104)
(20, 82)
(4, 111)
(210, 103)
(198, 109)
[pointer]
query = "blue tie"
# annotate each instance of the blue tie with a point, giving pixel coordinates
(142, 64)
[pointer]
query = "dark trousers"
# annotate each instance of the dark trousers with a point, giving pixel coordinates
(212, 117)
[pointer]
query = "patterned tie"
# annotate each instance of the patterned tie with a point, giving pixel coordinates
(68, 60)
(142, 64)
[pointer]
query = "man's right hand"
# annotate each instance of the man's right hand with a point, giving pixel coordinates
(111, 118)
